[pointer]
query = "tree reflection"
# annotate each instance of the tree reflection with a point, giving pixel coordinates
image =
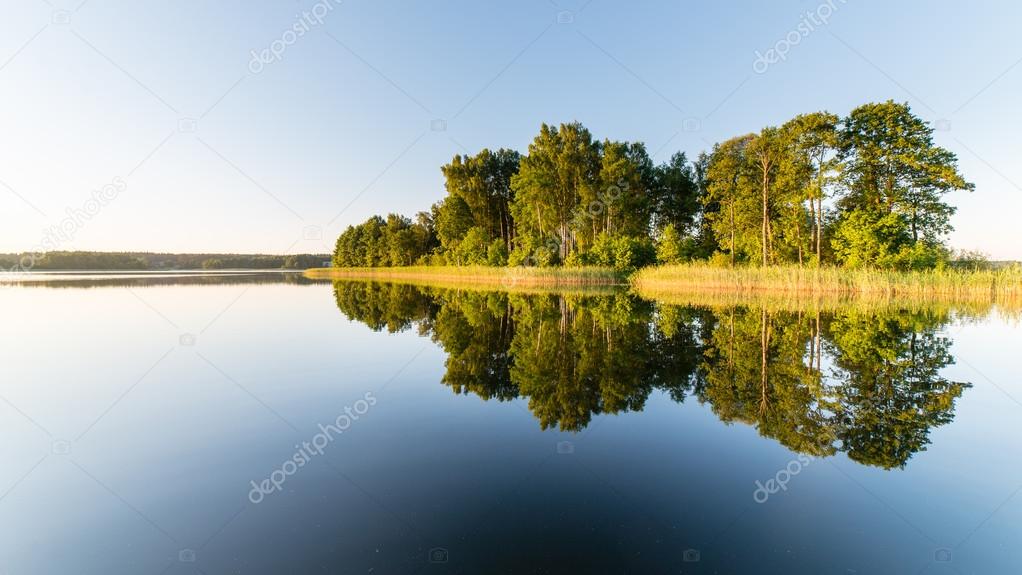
(887, 384)
(859, 381)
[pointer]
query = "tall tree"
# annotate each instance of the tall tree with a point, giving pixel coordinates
(728, 179)
(622, 204)
(895, 178)
(766, 151)
(814, 145)
(561, 168)
(676, 194)
(483, 183)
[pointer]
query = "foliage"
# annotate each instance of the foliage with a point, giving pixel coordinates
(669, 246)
(864, 191)
(471, 249)
(496, 253)
(396, 241)
(82, 260)
(623, 253)
(480, 193)
(89, 261)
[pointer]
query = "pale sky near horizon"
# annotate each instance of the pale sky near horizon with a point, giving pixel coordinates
(357, 114)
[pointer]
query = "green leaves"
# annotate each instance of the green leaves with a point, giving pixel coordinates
(479, 189)
(863, 191)
(765, 193)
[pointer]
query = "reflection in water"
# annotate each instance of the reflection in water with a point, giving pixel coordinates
(859, 381)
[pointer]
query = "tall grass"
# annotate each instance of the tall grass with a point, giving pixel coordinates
(679, 283)
(1003, 286)
(481, 275)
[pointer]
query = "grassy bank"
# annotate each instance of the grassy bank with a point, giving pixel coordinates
(994, 286)
(480, 275)
(690, 282)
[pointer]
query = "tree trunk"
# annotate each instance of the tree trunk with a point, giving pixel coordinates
(819, 230)
(764, 344)
(732, 210)
(819, 343)
(765, 168)
(798, 238)
(812, 222)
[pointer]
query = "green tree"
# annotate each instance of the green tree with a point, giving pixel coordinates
(813, 167)
(483, 183)
(622, 205)
(729, 180)
(560, 171)
(669, 248)
(766, 153)
(676, 195)
(894, 177)
(453, 220)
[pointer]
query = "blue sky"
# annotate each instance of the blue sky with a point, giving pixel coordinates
(358, 113)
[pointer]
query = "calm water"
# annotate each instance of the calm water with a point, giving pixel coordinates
(269, 424)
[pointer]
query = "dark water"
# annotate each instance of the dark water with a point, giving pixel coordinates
(270, 424)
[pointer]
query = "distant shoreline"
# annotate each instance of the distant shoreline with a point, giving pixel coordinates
(85, 261)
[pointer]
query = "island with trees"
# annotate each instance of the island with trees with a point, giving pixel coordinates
(864, 192)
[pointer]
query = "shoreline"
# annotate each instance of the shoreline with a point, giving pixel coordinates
(1001, 286)
(506, 277)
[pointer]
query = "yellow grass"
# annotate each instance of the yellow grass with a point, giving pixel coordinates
(701, 284)
(498, 277)
(1002, 287)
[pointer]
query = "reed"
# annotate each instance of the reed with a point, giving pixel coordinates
(1001, 286)
(480, 275)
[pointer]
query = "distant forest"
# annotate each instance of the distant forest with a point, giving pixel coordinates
(152, 261)
(863, 191)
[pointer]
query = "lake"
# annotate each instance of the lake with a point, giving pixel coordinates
(266, 423)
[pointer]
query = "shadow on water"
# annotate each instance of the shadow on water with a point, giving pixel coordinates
(865, 381)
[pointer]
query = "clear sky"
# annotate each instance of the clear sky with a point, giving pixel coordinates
(213, 151)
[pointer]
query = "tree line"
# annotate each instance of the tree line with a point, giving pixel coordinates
(866, 190)
(81, 260)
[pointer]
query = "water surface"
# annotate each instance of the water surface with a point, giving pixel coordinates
(264, 423)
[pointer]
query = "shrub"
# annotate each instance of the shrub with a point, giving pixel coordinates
(622, 253)
(472, 248)
(633, 253)
(670, 248)
(867, 239)
(496, 253)
(533, 251)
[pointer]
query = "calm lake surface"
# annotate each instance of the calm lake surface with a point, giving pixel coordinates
(265, 423)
